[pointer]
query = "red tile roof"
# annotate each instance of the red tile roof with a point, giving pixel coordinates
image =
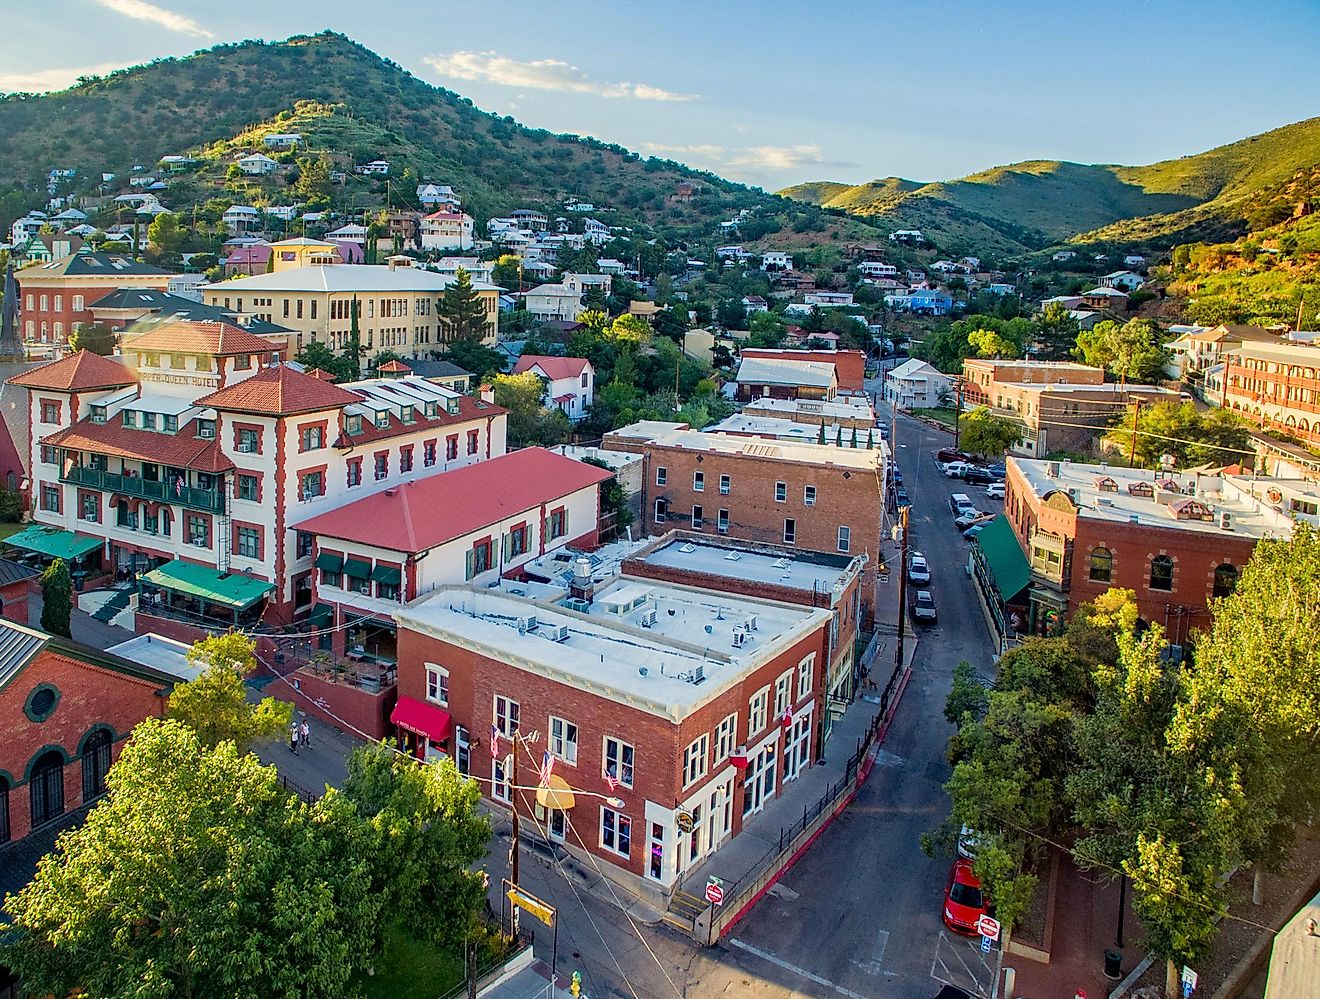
(418, 516)
(219, 339)
(279, 391)
(320, 374)
(80, 372)
(393, 366)
(183, 450)
(469, 409)
(555, 368)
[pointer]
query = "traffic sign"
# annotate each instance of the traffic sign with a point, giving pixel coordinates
(1188, 980)
(988, 926)
(714, 892)
(986, 944)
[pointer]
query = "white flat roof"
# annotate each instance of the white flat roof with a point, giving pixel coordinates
(810, 453)
(843, 406)
(788, 430)
(786, 371)
(1249, 518)
(159, 652)
(668, 669)
(348, 278)
(818, 573)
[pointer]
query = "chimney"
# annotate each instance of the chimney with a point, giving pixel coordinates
(487, 393)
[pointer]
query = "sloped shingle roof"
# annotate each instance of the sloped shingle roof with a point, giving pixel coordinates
(555, 368)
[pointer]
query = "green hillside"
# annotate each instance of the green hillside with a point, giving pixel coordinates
(361, 107)
(1034, 204)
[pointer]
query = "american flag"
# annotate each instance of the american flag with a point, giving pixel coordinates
(494, 740)
(178, 486)
(611, 781)
(543, 772)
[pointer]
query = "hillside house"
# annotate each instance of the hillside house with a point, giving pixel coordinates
(554, 301)
(1122, 280)
(828, 299)
(1101, 299)
(776, 260)
(282, 140)
(240, 219)
(914, 384)
(376, 168)
(447, 230)
(877, 269)
(528, 218)
(570, 382)
(256, 165)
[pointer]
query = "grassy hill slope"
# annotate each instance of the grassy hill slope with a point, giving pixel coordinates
(380, 110)
(1037, 203)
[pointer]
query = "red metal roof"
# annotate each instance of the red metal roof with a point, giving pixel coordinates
(218, 339)
(80, 372)
(555, 368)
(279, 391)
(422, 718)
(183, 450)
(423, 514)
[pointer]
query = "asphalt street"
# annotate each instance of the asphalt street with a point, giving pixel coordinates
(859, 915)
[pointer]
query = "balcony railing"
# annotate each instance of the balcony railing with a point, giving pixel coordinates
(210, 500)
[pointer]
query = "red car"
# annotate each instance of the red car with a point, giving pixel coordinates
(964, 902)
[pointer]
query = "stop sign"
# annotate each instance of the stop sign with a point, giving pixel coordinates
(714, 892)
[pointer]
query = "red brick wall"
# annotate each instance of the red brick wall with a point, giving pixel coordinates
(339, 703)
(89, 697)
(66, 314)
(850, 365)
(475, 680)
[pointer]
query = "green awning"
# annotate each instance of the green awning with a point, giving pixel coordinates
(321, 615)
(55, 543)
(1004, 557)
(386, 574)
(330, 563)
(357, 568)
(234, 590)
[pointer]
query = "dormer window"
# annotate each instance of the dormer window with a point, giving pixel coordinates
(382, 419)
(129, 417)
(353, 424)
(432, 408)
(409, 415)
(206, 429)
(148, 421)
(451, 406)
(242, 362)
(171, 424)
(98, 414)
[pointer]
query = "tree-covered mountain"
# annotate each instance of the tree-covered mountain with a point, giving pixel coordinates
(1031, 205)
(354, 105)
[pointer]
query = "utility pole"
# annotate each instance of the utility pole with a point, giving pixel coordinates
(902, 607)
(677, 361)
(1132, 451)
(957, 411)
(513, 840)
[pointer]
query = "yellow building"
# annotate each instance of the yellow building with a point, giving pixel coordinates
(398, 306)
(289, 254)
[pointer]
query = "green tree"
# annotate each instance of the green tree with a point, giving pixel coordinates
(989, 343)
(314, 178)
(505, 272)
(983, 433)
(475, 357)
(1056, 334)
(199, 875)
(1192, 437)
(629, 330)
(967, 697)
(99, 338)
(1133, 350)
(462, 314)
(56, 598)
(530, 422)
(165, 238)
(315, 354)
(215, 705)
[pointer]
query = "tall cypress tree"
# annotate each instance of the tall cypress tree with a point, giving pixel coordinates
(462, 315)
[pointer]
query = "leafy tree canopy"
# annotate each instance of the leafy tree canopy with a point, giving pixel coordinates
(984, 433)
(215, 705)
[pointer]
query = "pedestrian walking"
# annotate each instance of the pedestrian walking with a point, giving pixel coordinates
(305, 733)
(293, 738)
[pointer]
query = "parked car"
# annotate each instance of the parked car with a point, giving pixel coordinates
(956, 469)
(964, 901)
(897, 475)
(901, 495)
(995, 490)
(974, 530)
(969, 842)
(948, 454)
(971, 517)
(998, 471)
(918, 568)
(923, 608)
(979, 476)
(960, 503)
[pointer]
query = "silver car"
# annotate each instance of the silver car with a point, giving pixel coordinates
(918, 568)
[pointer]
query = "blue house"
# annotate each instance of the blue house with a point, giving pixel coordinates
(931, 303)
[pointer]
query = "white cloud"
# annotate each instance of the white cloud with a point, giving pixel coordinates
(140, 10)
(41, 80)
(540, 74)
(744, 158)
(709, 152)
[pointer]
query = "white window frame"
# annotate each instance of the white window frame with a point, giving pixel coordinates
(661, 475)
(500, 783)
(726, 484)
(696, 759)
(844, 541)
(783, 693)
(790, 537)
(606, 756)
(506, 721)
(698, 481)
(437, 685)
(620, 820)
(806, 676)
(698, 515)
(781, 492)
(726, 735)
(563, 741)
(809, 495)
(757, 707)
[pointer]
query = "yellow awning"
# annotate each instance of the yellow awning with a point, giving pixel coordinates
(557, 795)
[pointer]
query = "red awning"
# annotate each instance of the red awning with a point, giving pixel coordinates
(421, 718)
(564, 398)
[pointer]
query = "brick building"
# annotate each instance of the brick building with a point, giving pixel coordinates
(982, 376)
(692, 707)
(849, 365)
(810, 497)
(65, 711)
(1176, 540)
(54, 298)
(1277, 386)
(18, 585)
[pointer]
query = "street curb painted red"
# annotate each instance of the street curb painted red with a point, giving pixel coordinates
(863, 771)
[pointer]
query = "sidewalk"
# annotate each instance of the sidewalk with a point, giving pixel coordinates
(1085, 926)
(324, 762)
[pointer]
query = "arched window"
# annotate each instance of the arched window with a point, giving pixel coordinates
(1102, 565)
(46, 786)
(4, 810)
(1161, 573)
(1226, 577)
(95, 764)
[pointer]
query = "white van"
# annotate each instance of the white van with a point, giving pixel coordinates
(961, 503)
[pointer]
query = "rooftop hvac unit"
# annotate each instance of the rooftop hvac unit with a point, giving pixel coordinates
(751, 623)
(578, 604)
(739, 638)
(559, 633)
(1225, 520)
(1052, 469)
(526, 624)
(698, 675)
(648, 617)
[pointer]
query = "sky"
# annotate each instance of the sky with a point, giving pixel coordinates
(774, 92)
